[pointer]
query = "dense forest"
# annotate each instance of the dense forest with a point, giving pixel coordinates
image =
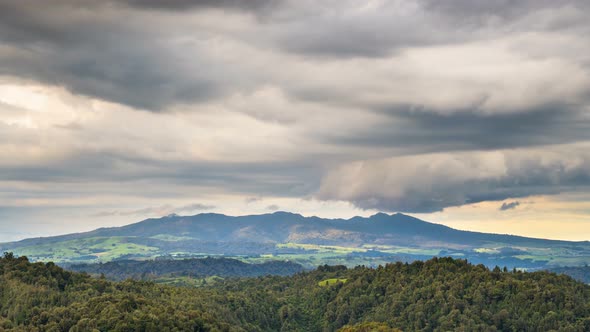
(437, 295)
(193, 267)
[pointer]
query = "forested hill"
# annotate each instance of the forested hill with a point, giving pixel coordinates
(195, 268)
(437, 295)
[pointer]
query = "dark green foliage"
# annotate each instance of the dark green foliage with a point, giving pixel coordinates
(195, 267)
(46, 297)
(437, 295)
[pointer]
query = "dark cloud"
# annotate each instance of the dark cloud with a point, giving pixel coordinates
(250, 5)
(115, 51)
(353, 30)
(481, 12)
(172, 5)
(273, 207)
(508, 206)
(356, 36)
(280, 178)
(427, 131)
(113, 55)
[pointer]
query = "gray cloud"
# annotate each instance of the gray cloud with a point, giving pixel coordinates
(273, 207)
(191, 4)
(345, 34)
(430, 183)
(154, 60)
(338, 99)
(423, 131)
(509, 206)
(281, 178)
(114, 55)
(353, 29)
(482, 11)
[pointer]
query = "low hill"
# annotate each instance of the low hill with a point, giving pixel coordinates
(310, 241)
(437, 295)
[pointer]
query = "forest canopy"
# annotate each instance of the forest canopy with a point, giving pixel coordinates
(436, 295)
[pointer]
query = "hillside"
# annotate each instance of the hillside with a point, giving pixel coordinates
(580, 273)
(310, 241)
(436, 295)
(194, 268)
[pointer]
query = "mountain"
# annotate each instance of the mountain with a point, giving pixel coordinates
(308, 240)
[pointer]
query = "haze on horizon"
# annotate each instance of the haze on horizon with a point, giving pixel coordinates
(474, 114)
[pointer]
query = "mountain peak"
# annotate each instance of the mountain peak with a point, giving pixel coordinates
(286, 213)
(394, 215)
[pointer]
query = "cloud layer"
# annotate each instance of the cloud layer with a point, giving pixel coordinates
(432, 182)
(390, 105)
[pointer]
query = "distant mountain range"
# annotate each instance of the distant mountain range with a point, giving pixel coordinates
(308, 240)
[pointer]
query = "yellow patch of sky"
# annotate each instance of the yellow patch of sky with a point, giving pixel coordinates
(562, 217)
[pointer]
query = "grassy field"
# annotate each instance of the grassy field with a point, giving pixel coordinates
(104, 249)
(332, 281)
(86, 250)
(321, 248)
(171, 238)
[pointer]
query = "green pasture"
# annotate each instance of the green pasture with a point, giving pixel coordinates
(331, 281)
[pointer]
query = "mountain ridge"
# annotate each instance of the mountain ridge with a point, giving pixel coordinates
(309, 240)
(374, 217)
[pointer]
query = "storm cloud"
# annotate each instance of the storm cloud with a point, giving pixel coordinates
(114, 106)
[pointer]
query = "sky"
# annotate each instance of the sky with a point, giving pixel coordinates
(473, 114)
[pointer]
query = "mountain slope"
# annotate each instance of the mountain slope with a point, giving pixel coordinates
(399, 236)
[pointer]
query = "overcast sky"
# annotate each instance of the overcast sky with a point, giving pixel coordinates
(475, 114)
